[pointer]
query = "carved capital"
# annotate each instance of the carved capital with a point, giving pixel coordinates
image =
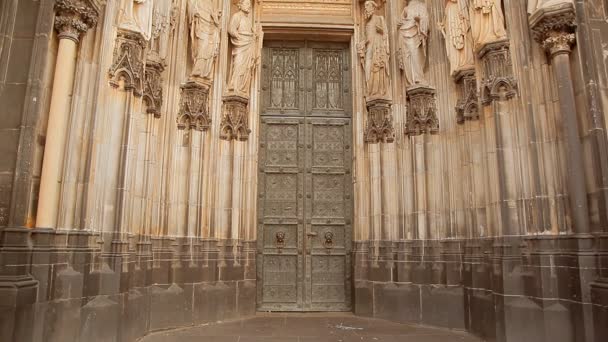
(128, 65)
(422, 111)
(379, 127)
(194, 107)
(73, 18)
(235, 119)
(467, 107)
(498, 82)
(554, 27)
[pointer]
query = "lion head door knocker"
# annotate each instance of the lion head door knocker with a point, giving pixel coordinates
(280, 240)
(329, 240)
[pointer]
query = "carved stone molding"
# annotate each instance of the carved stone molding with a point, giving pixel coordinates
(128, 62)
(379, 127)
(422, 111)
(153, 87)
(498, 82)
(235, 119)
(73, 18)
(467, 107)
(553, 27)
(194, 107)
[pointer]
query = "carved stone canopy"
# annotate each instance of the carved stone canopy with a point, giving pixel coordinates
(128, 62)
(422, 111)
(379, 127)
(554, 27)
(194, 107)
(467, 107)
(235, 119)
(153, 88)
(497, 81)
(73, 18)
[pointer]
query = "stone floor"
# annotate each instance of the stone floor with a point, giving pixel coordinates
(313, 327)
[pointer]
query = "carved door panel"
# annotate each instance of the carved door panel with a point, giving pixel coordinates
(328, 212)
(284, 79)
(280, 213)
(304, 182)
(329, 81)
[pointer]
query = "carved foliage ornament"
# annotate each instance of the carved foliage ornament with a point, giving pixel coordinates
(379, 127)
(193, 110)
(73, 18)
(422, 111)
(553, 27)
(235, 123)
(128, 65)
(498, 82)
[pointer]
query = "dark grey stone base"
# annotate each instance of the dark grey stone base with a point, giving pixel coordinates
(77, 286)
(79, 289)
(549, 288)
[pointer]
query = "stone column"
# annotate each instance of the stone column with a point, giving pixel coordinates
(553, 27)
(73, 18)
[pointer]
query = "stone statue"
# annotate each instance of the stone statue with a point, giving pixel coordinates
(534, 5)
(244, 54)
(162, 27)
(413, 34)
(375, 53)
(136, 15)
(204, 23)
(456, 31)
(487, 21)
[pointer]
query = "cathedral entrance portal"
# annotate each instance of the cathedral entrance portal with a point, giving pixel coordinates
(305, 182)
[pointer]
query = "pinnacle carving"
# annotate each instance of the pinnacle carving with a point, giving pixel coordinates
(553, 27)
(379, 127)
(128, 65)
(194, 107)
(73, 18)
(235, 119)
(422, 111)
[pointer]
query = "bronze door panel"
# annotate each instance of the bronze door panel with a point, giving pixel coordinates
(280, 214)
(304, 182)
(328, 209)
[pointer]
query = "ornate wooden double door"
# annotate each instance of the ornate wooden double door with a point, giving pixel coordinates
(305, 181)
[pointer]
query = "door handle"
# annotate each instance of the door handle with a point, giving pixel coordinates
(312, 234)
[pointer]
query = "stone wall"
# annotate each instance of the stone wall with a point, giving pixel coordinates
(541, 288)
(83, 286)
(154, 223)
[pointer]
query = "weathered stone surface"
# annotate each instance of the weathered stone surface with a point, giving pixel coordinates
(494, 222)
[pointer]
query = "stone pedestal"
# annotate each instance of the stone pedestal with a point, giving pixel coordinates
(467, 107)
(194, 107)
(379, 127)
(422, 111)
(235, 118)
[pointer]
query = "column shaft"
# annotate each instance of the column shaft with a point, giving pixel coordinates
(54, 151)
(576, 173)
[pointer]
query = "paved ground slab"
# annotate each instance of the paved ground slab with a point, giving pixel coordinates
(309, 328)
